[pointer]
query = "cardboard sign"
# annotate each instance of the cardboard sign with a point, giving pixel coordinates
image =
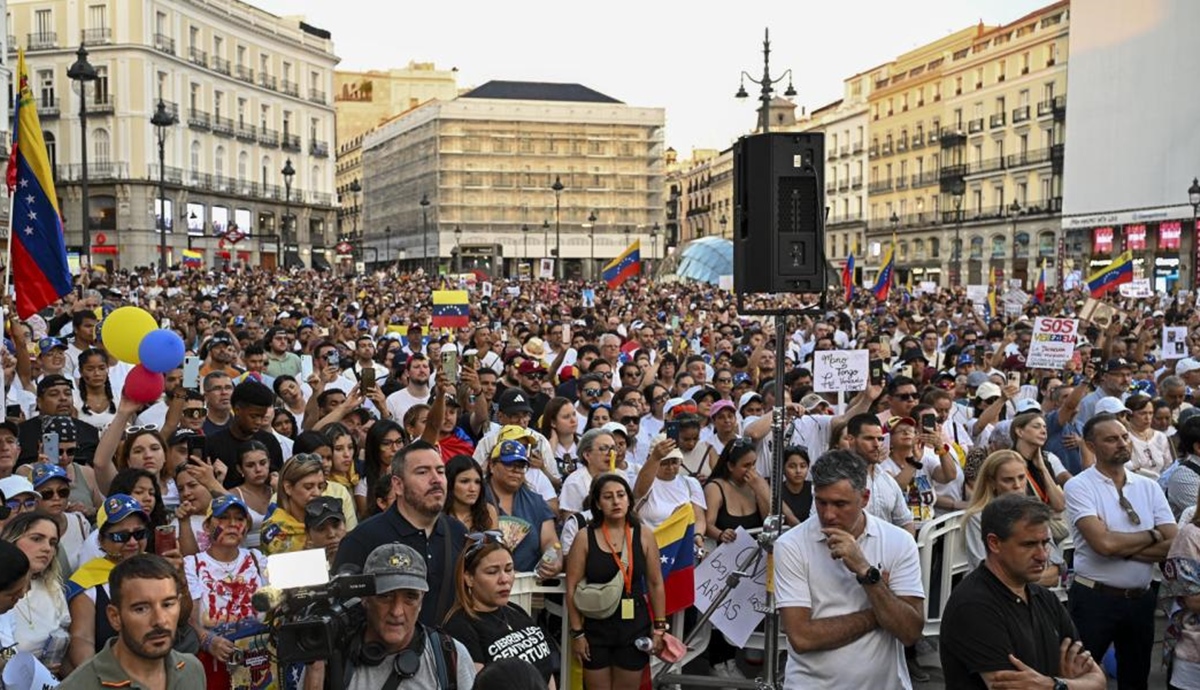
(1053, 343)
(746, 604)
(725, 282)
(840, 370)
(927, 287)
(1100, 313)
(1174, 342)
(1140, 287)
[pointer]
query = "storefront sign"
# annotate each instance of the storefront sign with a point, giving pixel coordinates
(1169, 233)
(1135, 237)
(1102, 240)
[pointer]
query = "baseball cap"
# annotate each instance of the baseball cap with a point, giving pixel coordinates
(965, 359)
(894, 422)
(180, 436)
(812, 401)
(1027, 405)
(1185, 366)
(397, 566)
(976, 379)
(987, 390)
(678, 405)
(43, 472)
(1109, 405)
(740, 378)
(913, 355)
(306, 322)
(1117, 363)
(14, 485)
(118, 507)
(718, 406)
(700, 392)
(747, 398)
(512, 451)
(50, 381)
(531, 366)
(322, 509)
(513, 401)
(1186, 414)
(615, 428)
(221, 504)
(50, 343)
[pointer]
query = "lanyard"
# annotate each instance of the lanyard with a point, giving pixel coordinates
(625, 568)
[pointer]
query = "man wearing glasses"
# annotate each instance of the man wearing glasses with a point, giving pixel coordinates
(531, 373)
(1121, 525)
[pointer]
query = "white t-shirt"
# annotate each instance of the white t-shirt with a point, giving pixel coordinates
(806, 577)
(224, 589)
(400, 402)
(575, 490)
(665, 497)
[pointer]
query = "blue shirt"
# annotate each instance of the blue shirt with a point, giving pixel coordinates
(530, 508)
(1072, 458)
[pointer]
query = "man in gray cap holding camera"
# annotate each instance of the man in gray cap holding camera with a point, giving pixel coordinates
(396, 650)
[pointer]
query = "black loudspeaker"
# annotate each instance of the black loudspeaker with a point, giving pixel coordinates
(779, 213)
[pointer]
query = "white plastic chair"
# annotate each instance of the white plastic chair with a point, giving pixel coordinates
(944, 530)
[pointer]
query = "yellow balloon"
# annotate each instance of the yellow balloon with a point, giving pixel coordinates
(123, 331)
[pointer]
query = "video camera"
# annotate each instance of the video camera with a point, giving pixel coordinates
(311, 623)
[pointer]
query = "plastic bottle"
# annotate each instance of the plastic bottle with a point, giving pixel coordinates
(552, 554)
(644, 644)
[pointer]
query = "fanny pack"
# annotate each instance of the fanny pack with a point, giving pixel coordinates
(600, 600)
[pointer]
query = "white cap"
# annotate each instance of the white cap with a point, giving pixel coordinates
(615, 428)
(747, 398)
(1184, 366)
(14, 485)
(1109, 405)
(1027, 405)
(987, 390)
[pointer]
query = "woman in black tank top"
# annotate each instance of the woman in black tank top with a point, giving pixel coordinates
(616, 545)
(734, 488)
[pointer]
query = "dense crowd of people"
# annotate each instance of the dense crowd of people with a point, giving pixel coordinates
(552, 435)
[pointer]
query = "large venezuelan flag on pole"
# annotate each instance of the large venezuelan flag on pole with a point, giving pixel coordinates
(676, 549)
(451, 309)
(1118, 272)
(624, 266)
(39, 253)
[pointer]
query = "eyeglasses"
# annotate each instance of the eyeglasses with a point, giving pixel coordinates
(122, 537)
(479, 539)
(392, 442)
(194, 413)
(51, 494)
(604, 449)
(18, 504)
(906, 396)
(1128, 507)
(660, 399)
(723, 379)
(519, 466)
(131, 430)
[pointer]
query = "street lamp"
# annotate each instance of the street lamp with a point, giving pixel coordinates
(162, 120)
(83, 72)
(525, 235)
(957, 192)
(1014, 210)
(458, 248)
(425, 237)
(724, 221)
(1194, 198)
(558, 263)
(387, 232)
(592, 237)
(654, 242)
(356, 190)
(288, 173)
(766, 83)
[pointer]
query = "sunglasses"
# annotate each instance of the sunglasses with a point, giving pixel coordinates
(122, 537)
(27, 504)
(315, 509)
(536, 375)
(194, 413)
(51, 494)
(131, 430)
(723, 380)
(1128, 507)
(907, 396)
(478, 540)
(591, 392)
(606, 375)
(631, 419)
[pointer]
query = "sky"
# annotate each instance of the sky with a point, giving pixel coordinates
(683, 56)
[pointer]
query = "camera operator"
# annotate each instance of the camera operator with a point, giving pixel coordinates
(395, 651)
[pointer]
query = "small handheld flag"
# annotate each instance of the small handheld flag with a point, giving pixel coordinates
(1039, 293)
(193, 258)
(848, 278)
(451, 309)
(624, 266)
(883, 285)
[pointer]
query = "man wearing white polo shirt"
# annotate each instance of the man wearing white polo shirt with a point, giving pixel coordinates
(849, 587)
(1121, 525)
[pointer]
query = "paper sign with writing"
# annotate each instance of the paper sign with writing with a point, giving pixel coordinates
(1053, 343)
(840, 370)
(977, 294)
(740, 613)
(725, 282)
(1140, 287)
(1174, 342)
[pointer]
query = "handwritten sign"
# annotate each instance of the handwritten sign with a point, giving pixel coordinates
(1053, 343)
(1140, 287)
(977, 294)
(840, 370)
(1174, 342)
(740, 613)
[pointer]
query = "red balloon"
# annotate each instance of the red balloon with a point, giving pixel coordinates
(143, 386)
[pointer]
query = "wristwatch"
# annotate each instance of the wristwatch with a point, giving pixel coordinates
(1060, 684)
(872, 577)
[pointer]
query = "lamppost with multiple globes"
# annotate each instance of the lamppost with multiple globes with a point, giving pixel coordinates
(161, 120)
(1014, 210)
(83, 72)
(957, 193)
(591, 226)
(457, 249)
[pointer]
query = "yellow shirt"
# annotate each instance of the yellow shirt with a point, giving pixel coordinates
(340, 492)
(282, 533)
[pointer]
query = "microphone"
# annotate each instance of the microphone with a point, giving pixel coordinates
(267, 599)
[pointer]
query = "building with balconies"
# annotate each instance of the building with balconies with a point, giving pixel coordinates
(225, 69)
(485, 164)
(966, 152)
(844, 123)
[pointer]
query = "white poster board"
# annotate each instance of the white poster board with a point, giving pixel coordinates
(840, 370)
(977, 294)
(546, 268)
(486, 289)
(1140, 287)
(725, 283)
(1174, 342)
(1053, 343)
(927, 287)
(743, 609)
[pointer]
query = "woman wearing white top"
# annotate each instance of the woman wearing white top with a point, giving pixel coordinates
(1152, 453)
(661, 489)
(42, 618)
(595, 451)
(560, 424)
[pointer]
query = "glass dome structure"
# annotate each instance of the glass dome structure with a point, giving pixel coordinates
(703, 260)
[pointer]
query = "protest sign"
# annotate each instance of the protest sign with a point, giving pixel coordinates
(840, 370)
(1140, 287)
(546, 268)
(1053, 343)
(1174, 342)
(977, 293)
(740, 613)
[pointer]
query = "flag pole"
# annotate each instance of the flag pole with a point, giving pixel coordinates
(12, 197)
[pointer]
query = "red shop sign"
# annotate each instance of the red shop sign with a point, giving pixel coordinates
(1102, 240)
(1135, 236)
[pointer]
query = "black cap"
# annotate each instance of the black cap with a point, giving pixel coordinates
(322, 509)
(181, 436)
(513, 401)
(1116, 364)
(50, 381)
(913, 355)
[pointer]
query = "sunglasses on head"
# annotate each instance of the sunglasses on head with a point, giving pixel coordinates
(122, 537)
(130, 431)
(51, 494)
(477, 540)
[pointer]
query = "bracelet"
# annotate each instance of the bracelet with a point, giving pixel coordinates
(577, 634)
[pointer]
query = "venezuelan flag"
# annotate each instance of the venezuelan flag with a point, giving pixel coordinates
(193, 258)
(884, 284)
(1039, 293)
(39, 252)
(624, 266)
(848, 278)
(677, 554)
(451, 309)
(1119, 272)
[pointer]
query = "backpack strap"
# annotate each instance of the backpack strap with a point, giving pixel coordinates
(446, 658)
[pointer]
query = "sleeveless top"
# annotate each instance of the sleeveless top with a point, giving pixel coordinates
(800, 503)
(726, 521)
(601, 567)
(81, 491)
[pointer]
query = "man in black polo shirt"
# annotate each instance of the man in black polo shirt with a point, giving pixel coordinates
(1001, 629)
(419, 478)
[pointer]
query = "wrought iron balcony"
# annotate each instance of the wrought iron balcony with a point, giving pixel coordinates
(1020, 114)
(291, 88)
(244, 73)
(198, 119)
(222, 125)
(998, 120)
(291, 142)
(197, 56)
(952, 136)
(318, 148)
(164, 43)
(975, 126)
(316, 96)
(268, 81)
(268, 137)
(101, 104)
(97, 37)
(246, 133)
(1034, 157)
(45, 40)
(47, 107)
(220, 64)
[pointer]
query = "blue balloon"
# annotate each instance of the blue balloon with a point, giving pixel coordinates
(161, 351)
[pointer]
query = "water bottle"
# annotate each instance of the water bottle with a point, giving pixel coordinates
(550, 558)
(644, 644)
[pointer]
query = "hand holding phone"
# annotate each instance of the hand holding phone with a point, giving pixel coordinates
(672, 430)
(928, 421)
(191, 372)
(306, 367)
(450, 365)
(50, 446)
(367, 381)
(164, 539)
